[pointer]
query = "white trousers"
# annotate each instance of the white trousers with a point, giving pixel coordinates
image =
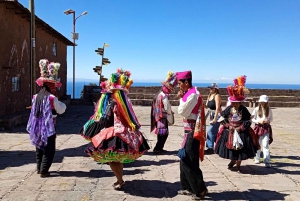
(264, 145)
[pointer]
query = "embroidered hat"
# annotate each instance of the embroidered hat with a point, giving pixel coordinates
(263, 98)
(213, 86)
(237, 92)
(170, 81)
(118, 81)
(183, 75)
(49, 73)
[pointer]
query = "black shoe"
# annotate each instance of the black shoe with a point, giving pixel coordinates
(209, 151)
(43, 175)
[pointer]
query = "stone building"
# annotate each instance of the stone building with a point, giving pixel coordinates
(15, 55)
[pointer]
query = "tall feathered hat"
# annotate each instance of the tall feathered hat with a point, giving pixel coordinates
(49, 72)
(170, 81)
(119, 80)
(238, 90)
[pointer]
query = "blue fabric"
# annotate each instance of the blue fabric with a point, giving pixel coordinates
(212, 133)
(181, 153)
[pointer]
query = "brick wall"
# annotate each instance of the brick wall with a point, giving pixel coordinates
(15, 59)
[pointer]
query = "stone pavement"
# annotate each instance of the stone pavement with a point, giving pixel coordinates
(75, 176)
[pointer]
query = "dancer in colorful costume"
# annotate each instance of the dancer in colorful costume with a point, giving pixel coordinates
(42, 120)
(161, 113)
(114, 127)
(192, 110)
(236, 139)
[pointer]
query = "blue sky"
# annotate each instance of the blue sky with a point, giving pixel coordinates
(217, 39)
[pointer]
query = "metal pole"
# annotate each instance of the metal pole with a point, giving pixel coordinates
(101, 64)
(74, 55)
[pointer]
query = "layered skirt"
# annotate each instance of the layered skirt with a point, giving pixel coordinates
(247, 151)
(110, 146)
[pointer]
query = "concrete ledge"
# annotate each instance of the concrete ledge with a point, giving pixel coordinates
(8, 122)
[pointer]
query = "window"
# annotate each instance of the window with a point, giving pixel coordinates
(15, 84)
(54, 53)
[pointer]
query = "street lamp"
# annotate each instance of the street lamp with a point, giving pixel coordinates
(74, 37)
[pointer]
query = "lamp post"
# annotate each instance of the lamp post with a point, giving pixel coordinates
(74, 37)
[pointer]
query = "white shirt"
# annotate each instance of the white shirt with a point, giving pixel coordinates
(257, 119)
(59, 106)
(165, 101)
(185, 108)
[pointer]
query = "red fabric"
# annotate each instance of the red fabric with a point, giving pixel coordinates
(52, 102)
(254, 137)
(156, 111)
(103, 135)
(199, 132)
(220, 133)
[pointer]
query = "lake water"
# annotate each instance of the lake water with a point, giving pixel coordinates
(79, 86)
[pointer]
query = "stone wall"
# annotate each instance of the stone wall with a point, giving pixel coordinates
(15, 58)
(144, 95)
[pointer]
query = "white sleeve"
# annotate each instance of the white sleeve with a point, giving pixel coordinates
(185, 108)
(166, 103)
(60, 107)
(254, 114)
(270, 117)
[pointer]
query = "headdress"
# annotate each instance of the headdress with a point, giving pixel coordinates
(237, 92)
(117, 87)
(49, 72)
(170, 81)
(120, 80)
(183, 75)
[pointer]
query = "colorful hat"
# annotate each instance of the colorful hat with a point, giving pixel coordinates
(105, 87)
(170, 81)
(237, 92)
(49, 72)
(118, 81)
(183, 75)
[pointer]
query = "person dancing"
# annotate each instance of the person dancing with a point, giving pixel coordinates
(114, 127)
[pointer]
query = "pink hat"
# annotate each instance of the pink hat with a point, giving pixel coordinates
(237, 92)
(183, 75)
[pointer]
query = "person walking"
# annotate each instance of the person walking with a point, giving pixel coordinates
(262, 117)
(42, 119)
(191, 177)
(235, 140)
(161, 113)
(213, 104)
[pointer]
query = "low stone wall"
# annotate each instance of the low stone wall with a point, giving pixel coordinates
(144, 95)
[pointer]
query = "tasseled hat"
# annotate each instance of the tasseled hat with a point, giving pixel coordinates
(120, 80)
(237, 92)
(170, 81)
(49, 72)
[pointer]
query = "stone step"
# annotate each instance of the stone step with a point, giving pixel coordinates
(148, 102)
(203, 90)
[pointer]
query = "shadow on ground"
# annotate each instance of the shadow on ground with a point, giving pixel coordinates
(18, 158)
(163, 189)
(147, 163)
(276, 168)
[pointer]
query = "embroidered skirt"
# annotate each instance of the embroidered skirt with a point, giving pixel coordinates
(248, 150)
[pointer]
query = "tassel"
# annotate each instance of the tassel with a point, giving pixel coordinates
(181, 153)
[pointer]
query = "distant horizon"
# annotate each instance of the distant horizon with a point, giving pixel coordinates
(194, 81)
